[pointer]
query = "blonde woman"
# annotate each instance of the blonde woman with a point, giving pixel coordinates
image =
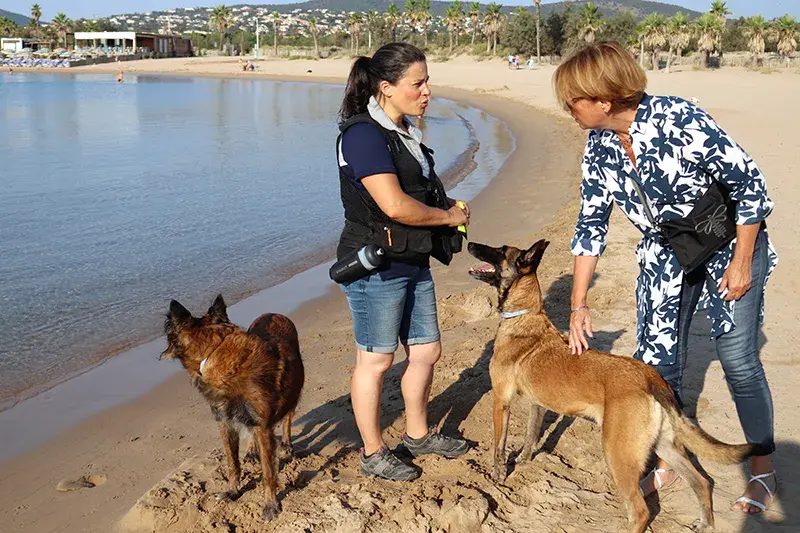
(662, 153)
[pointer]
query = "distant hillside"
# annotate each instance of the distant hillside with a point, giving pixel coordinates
(640, 8)
(20, 20)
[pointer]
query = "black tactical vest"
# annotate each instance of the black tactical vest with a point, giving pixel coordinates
(366, 223)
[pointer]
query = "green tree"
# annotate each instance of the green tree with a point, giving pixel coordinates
(221, 18)
(708, 28)
(786, 30)
(719, 9)
(36, 14)
(393, 17)
(276, 28)
(411, 15)
(62, 26)
(354, 23)
(538, 4)
(474, 14)
(424, 17)
(590, 22)
(314, 31)
(520, 32)
(679, 34)
(8, 27)
(372, 19)
(492, 23)
(454, 17)
(555, 32)
(655, 36)
(621, 27)
(756, 29)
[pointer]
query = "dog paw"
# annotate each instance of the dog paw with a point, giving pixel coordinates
(524, 456)
(700, 526)
(228, 496)
(252, 457)
(270, 511)
(286, 451)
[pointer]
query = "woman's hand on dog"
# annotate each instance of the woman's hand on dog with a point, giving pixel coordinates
(579, 321)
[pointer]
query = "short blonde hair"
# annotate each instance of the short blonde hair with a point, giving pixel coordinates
(602, 71)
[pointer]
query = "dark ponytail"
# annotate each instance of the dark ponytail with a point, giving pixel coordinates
(390, 63)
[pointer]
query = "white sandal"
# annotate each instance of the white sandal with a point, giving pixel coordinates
(657, 475)
(770, 494)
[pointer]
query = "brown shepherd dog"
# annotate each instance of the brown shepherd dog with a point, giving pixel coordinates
(252, 379)
(634, 405)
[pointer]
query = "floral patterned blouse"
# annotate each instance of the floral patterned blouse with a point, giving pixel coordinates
(679, 150)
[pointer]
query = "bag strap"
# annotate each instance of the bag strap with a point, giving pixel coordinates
(643, 199)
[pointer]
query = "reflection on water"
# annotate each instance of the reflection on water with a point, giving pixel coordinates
(117, 197)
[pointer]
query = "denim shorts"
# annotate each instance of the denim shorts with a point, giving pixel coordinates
(399, 303)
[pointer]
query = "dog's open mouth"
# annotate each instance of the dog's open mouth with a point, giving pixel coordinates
(485, 268)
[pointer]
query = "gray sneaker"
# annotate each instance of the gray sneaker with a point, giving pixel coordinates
(386, 465)
(437, 443)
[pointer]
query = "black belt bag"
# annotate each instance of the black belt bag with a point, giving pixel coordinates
(709, 226)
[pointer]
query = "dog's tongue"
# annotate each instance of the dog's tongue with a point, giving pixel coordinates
(484, 268)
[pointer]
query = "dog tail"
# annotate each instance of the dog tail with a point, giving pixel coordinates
(691, 436)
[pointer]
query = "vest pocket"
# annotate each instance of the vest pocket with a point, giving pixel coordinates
(398, 239)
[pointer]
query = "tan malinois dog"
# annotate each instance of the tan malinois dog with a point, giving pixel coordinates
(634, 405)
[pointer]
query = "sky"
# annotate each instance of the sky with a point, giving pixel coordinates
(101, 8)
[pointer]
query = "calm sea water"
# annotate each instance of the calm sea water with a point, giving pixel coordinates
(116, 198)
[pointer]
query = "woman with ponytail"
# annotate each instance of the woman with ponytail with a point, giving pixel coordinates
(393, 198)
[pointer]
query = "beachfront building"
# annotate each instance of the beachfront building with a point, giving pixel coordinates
(131, 42)
(19, 44)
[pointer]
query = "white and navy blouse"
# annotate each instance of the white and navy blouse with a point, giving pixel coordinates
(679, 150)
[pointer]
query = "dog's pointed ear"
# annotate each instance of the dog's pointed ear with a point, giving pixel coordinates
(177, 312)
(530, 258)
(218, 310)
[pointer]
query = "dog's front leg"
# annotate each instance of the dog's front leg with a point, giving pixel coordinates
(267, 451)
(500, 416)
(230, 441)
(532, 437)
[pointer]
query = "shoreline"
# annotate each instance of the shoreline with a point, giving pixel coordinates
(455, 173)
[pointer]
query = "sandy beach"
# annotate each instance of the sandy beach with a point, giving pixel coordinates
(156, 462)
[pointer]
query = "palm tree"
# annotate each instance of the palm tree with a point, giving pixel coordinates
(220, 19)
(90, 25)
(755, 28)
(655, 36)
(8, 27)
(720, 10)
(708, 27)
(786, 29)
(36, 14)
(312, 28)
(372, 22)
(354, 21)
(590, 22)
(678, 35)
(424, 10)
(276, 26)
(62, 25)
(411, 15)
(474, 15)
(393, 17)
(492, 22)
(454, 16)
(538, 3)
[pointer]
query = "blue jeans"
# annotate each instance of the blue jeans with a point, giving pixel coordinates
(737, 351)
(397, 304)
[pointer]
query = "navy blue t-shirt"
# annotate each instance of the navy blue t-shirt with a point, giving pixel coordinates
(363, 152)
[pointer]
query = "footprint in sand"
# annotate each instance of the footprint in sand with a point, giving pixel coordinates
(83, 482)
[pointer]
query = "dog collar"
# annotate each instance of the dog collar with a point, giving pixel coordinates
(514, 314)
